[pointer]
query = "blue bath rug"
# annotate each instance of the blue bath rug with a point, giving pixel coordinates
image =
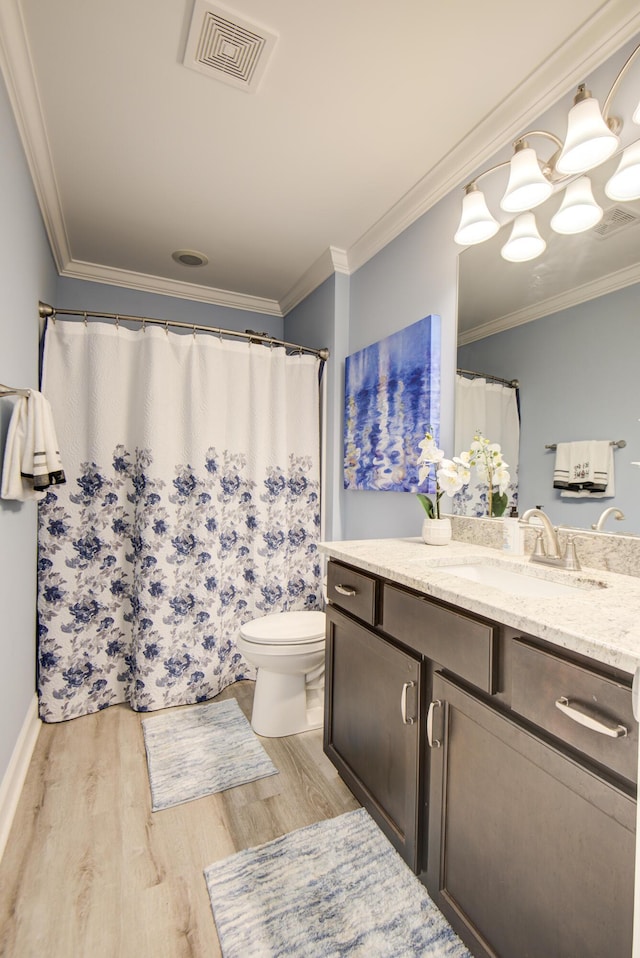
(195, 751)
(334, 888)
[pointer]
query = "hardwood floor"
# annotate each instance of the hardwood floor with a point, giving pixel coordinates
(90, 872)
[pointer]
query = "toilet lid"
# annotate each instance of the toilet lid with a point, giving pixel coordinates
(284, 627)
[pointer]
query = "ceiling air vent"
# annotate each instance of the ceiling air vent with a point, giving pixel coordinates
(615, 219)
(227, 47)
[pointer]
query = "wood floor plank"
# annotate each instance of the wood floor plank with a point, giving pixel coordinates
(90, 871)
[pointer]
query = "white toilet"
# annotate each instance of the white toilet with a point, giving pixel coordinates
(287, 648)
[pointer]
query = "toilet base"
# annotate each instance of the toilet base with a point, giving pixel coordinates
(280, 705)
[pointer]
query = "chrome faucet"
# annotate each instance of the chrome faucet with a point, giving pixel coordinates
(547, 547)
(611, 511)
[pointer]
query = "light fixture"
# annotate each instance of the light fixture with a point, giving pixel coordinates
(525, 242)
(578, 211)
(476, 223)
(624, 185)
(592, 137)
(527, 186)
(589, 140)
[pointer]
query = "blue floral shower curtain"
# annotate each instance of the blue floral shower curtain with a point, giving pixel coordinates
(191, 506)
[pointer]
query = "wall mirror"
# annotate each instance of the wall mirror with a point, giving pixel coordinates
(567, 327)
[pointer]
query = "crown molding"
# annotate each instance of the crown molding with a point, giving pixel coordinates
(167, 287)
(17, 68)
(601, 36)
(332, 260)
(573, 297)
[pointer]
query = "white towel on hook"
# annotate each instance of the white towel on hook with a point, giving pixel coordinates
(584, 470)
(32, 458)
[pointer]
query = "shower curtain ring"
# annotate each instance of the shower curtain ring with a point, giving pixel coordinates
(84, 320)
(194, 330)
(117, 322)
(166, 328)
(144, 325)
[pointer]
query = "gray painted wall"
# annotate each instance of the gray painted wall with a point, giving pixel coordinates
(578, 373)
(27, 274)
(322, 320)
(80, 294)
(412, 277)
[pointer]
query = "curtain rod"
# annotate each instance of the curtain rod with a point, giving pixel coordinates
(514, 383)
(45, 311)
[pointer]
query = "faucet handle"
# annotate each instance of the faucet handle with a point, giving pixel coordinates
(571, 560)
(538, 548)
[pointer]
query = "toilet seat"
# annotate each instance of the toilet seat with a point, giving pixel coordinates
(285, 628)
(288, 651)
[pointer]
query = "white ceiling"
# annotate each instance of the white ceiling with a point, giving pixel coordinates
(367, 114)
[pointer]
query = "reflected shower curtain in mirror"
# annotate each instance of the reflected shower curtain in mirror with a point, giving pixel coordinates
(191, 506)
(491, 409)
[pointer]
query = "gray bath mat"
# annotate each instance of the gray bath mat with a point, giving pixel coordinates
(335, 888)
(195, 751)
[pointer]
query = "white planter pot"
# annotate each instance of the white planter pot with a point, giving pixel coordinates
(436, 532)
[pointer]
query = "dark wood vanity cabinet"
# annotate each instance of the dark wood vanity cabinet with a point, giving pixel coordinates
(466, 742)
(372, 726)
(530, 852)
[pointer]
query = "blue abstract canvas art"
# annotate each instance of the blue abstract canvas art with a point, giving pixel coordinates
(392, 397)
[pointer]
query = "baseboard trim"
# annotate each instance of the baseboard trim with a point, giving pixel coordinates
(13, 780)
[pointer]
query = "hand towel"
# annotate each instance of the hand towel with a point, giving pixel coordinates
(32, 459)
(584, 469)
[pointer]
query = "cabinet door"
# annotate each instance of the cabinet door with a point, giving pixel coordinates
(372, 722)
(530, 853)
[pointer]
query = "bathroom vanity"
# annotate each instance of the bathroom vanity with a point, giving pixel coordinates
(490, 733)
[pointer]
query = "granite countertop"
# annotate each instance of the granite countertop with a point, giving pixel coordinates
(601, 620)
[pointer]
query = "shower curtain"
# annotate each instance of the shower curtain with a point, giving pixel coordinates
(191, 505)
(491, 409)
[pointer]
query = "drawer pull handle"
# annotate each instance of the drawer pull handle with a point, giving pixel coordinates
(433, 742)
(346, 590)
(584, 716)
(403, 703)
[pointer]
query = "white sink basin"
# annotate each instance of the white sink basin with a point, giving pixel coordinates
(515, 582)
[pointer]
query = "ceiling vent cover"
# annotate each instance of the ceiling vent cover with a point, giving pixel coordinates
(615, 219)
(227, 47)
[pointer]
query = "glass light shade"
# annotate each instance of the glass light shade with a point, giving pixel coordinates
(578, 210)
(624, 185)
(476, 223)
(589, 140)
(527, 186)
(525, 242)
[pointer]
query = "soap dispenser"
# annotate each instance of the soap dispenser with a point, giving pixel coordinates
(513, 534)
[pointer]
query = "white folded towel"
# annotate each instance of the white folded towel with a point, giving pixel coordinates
(32, 458)
(584, 469)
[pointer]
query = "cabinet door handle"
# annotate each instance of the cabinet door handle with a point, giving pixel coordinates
(346, 589)
(403, 703)
(433, 742)
(584, 716)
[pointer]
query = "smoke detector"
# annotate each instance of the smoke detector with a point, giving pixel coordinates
(189, 257)
(226, 47)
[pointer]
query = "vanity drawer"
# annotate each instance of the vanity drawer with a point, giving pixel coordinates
(541, 679)
(463, 645)
(355, 592)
